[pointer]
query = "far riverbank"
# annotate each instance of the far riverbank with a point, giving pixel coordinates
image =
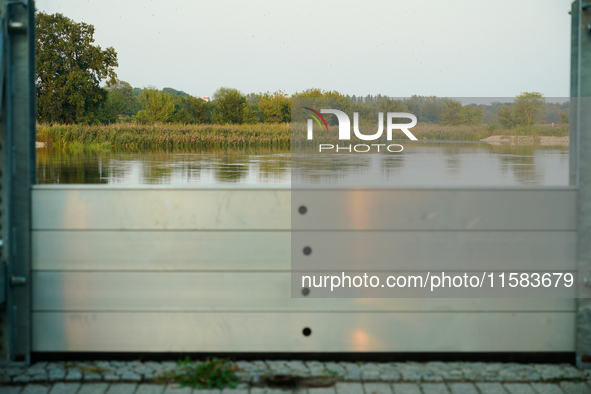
(134, 137)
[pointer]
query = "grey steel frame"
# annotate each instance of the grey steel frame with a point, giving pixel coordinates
(580, 163)
(22, 333)
(17, 174)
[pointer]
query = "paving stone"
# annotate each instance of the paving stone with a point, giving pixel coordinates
(148, 376)
(432, 378)
(321, 390)
(349, 388)
(336, 367)
(150, 389)
(177, 389)
(10, 389)
(12, 371)
(352, 371)
(111, 377)
(462, 388)
(390, 376)
(519, 388)
(370, 374)
(143, 370)
(377, 388)
(491, 388)
(546, 388)
(260, 365)
(242, 388)
(207, 391)
(92, 377)
(35, 389)
(55, 375)
(93, 388)
(301, 370)
(575, 387)
(316, 368)
(40, 378)
(168, 365)
(21, 379)
(65, 388)
(406, 388)
(351, 366)
(129, 376)
(434, 388)
(264, 390)
(409, 376)
(73, 375)
(122, 388)
(570, 372)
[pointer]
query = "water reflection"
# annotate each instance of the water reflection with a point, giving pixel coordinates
(161, 167)
(436, 164)
(420, 164)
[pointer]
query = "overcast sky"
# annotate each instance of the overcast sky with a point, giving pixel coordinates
(453, 48)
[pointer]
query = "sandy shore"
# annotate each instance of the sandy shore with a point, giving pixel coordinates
(526, 140)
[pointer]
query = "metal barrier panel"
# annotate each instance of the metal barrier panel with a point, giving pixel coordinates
(152, 269)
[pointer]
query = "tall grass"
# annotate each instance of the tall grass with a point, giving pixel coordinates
(174, 136)
(167, 136)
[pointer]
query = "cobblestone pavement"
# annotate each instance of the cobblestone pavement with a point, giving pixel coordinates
(135, 377)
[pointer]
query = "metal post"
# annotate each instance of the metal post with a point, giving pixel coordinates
(17, 173)
(574, 66)
(581, 157)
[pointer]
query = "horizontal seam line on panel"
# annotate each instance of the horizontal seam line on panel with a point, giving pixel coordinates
(165, 271)
(299, 311)
(306, 270)
(311, 231)
(161, 230)
(64, 187)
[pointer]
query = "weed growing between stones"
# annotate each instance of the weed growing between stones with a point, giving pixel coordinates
(215, 373)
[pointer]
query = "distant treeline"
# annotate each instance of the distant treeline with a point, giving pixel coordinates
(229, 106)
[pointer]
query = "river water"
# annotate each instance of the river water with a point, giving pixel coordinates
(420, 164)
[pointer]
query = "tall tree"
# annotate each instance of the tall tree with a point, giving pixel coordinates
(231, 105)
(156, 106)
(274, 107)
(69, 70)
(528, 108)
(506, 117)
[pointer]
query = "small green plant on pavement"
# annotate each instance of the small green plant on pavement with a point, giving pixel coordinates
(215, 373)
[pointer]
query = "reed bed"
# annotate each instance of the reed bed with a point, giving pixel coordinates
(166, 136)
(134, 137)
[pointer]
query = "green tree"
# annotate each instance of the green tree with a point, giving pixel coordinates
(456, 114)
(189, 109)
(156, 106)
(69, 69)
(111, 108)
(124, 92)
(505, 117)
(197, 109)
(231, 106)
(563, 117)
(528, 108)
(471, 115)
(388, 104)
(274, 107)
(315, 92)
(452, 115)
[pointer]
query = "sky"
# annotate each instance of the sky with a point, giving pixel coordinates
(447, 48)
